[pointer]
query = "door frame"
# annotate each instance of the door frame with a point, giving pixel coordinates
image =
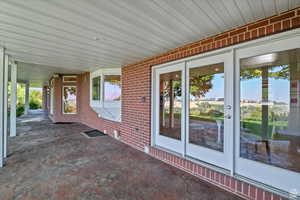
(295, 33)
(255, 170)
(221, 159)
(160, 140)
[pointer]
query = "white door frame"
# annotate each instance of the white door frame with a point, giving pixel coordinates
(277, 177)
(160, 140)
(221, 159)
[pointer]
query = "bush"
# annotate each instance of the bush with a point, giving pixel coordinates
(34, 105)
(20, 110)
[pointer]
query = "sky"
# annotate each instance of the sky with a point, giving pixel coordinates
(251, 89)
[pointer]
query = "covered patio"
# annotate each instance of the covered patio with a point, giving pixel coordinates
(211, 88)
(55, 161)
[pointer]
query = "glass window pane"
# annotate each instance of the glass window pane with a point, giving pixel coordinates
(270, 109)
(112, 88)
(170, 105)
(69, 99)
(96, 88)
(206, 106)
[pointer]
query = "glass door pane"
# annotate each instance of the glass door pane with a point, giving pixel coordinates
(209, 100)
(270, 109)
(206, 106)
(169, 91)
(170, 107)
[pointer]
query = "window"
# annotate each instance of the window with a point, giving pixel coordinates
(105, 93)
(112, 88)
(69, 99)
(96, 91)
(69, 79)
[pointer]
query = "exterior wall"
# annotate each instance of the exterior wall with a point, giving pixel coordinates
(135, 128)
(58, 112)
(87, 115)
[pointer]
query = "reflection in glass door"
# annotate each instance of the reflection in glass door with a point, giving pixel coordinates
(209, 122)
(170, 107)
(169, 103)
(269, 126)
(206, 106)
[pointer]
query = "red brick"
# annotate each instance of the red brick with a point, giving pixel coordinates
(282, 17)
(298, 12)
(260, 194)
(286, 24)
(246, 188)
(275, 197)
(267, 196)
(257, 25)
(229, 41)
(207, 41)
(270, 29)
(233, 184)
(221, 36)
(224, 43)
(277, 27)
(296, 22)
(241, 37)
(252, 193)
(247, 35)
(238, 31)
(239, 186)
(254, 34)
(262, 31)
(234, 39)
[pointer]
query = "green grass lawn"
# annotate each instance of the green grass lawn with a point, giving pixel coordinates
(253, 126)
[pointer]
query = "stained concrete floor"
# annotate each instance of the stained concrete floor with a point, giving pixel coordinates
(55, 161)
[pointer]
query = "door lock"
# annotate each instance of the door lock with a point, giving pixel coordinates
(227, 116)
(228, 107)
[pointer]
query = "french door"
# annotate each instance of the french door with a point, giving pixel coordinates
(193, 109)
(169, 107)
(209, 98)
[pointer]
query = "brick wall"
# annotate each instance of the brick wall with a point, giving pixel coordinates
(135, 127)
(136, 83)
(87, 115)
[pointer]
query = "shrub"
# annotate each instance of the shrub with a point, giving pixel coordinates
(34, 105)
(20, 110)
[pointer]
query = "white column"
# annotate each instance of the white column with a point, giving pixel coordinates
(13, 100)
(5, 105)
(1, 105)
(27, 85)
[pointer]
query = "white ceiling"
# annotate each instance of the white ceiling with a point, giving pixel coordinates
(39, 75)
(88, 34)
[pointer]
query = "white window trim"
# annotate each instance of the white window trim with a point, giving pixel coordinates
(73, 76)
(63, 110)
(102, 104)
(292, 34)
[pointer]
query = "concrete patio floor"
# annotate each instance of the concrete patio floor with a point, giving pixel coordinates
(55, 161)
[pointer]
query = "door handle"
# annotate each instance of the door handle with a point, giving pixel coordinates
(227, 116)
(228, 107)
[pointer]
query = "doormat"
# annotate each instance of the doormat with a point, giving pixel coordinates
(63, 123)
(93, 133)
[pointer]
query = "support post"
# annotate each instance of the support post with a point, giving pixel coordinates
(27, 85)
(1, 105)
(13, 100)
(5, 85)
(265, 104)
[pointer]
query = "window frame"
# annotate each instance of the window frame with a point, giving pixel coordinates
(70, 76)
(98, 105)
(63, 105)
